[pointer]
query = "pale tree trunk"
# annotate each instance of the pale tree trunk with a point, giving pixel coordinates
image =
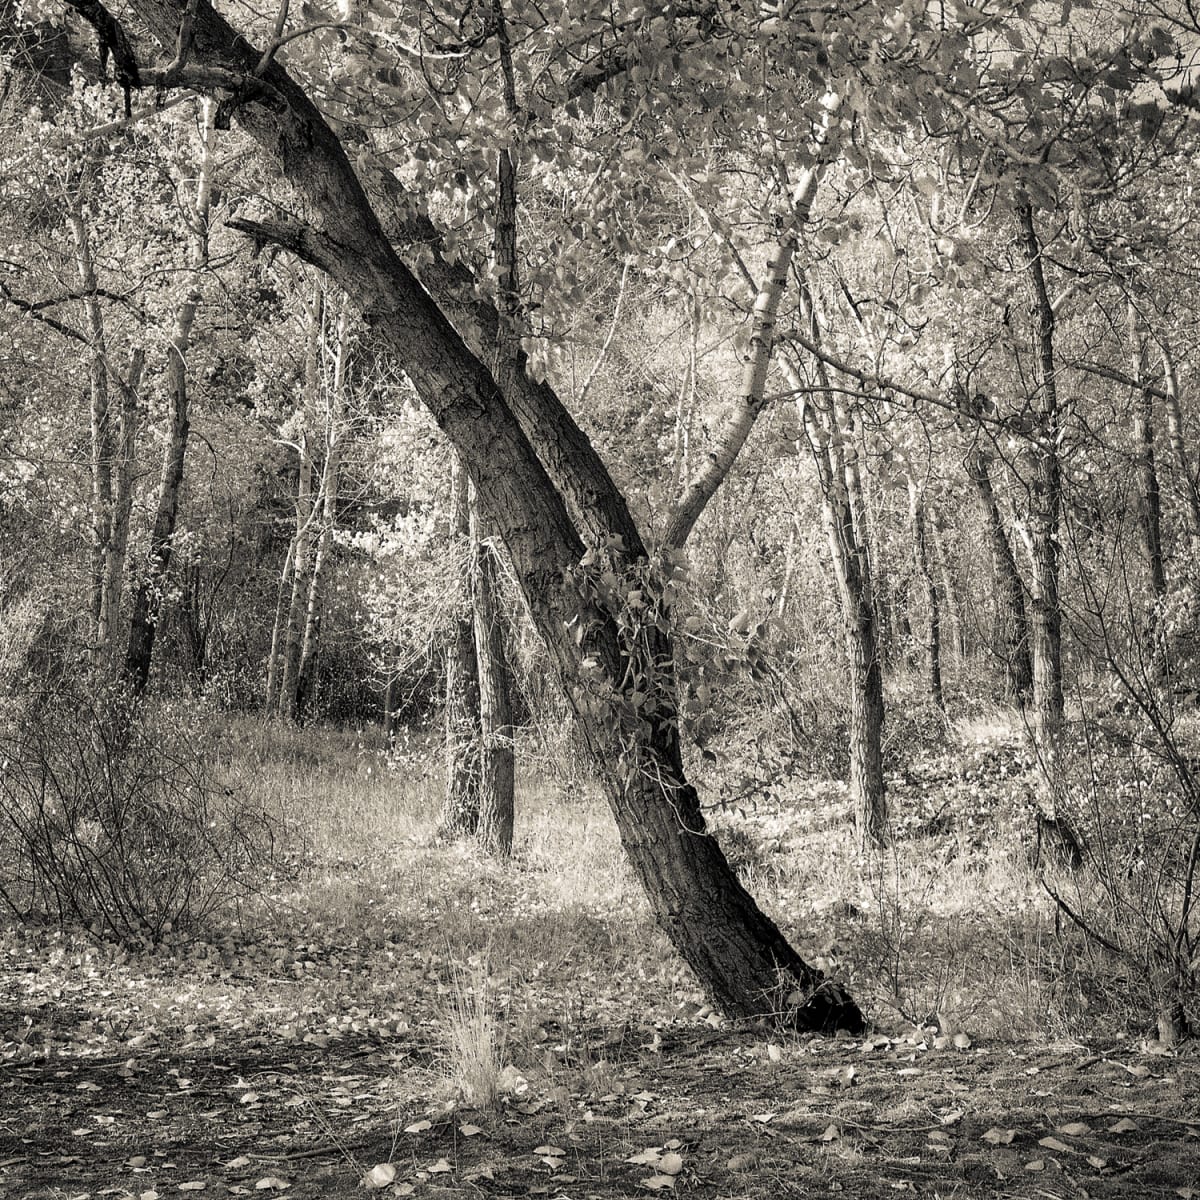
(460, 802)
(496, 758)
(743, 413)
(150, 594)
(828, 432)
(306, 513)
(113, 447)
(102, 438)
(735, 950)
(933, 642)
(1045, 516)
(326, 502)
(1183, 464)
(1010, 590)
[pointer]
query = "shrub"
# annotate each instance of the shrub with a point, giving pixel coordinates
(118, 820)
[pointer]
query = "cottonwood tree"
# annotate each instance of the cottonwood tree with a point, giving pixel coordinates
(612, 648)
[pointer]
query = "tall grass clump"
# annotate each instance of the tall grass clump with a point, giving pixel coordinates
(475, 1038)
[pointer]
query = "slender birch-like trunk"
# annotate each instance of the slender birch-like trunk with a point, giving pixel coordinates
(150, 594)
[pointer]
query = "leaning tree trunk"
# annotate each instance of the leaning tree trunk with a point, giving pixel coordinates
(1046, 504)
(622, 690)
(149, 596)
(496, 760)
(933, 644)
(1010, 589)
(460, 803)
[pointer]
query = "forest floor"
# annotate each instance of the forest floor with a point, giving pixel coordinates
(337, 1041)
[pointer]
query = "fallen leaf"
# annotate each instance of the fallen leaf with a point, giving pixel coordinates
(1096, 1161)
(999, 1137)
(658, 1182)
(380, 1175)
(271, 1183)
(440, 1167)
(952, 1117)
(1035, 1165)
(193, 1185)
(469, 1130)
(763, 1118)
(670, 1163)
(1075, 1129)
(831, 1134)
(139, 1160)
(1124, 1125)
(418, 1127)
(1053, 1143)
(554, 1152)
(1139, 1072)
(962, 1042)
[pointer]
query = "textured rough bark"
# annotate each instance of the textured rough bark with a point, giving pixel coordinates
(496, 760)
(736, 951)
(148, 598)
(1046, 504)
(1009, 587)
(842, 513)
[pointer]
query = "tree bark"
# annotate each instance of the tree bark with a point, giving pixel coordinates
(933, 643)
(150, 594)
(460, 803)
(740, 419)
(497, 766)
(327, 504)
(623, 691)
(1188, 474)
(842, 513)
(1009, 588)
(1046, 503)
(306, 515)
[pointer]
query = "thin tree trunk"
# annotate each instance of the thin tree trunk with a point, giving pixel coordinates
(735, 950)
(1018, 662)
(149, 597)
(460, 803)
(274, 655)
(102, 437)
(497, 767)
(121, 501)
(1188, 474)
(951, 601)
(327, 499)
(1149, 498)
(933, 643)
(841, 508)
(1046, 503)
(306, 511)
